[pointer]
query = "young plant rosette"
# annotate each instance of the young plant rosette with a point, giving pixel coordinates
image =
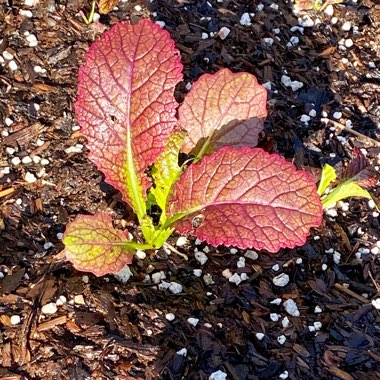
(228, 192)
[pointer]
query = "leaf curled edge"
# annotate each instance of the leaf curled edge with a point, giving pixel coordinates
(125, 103)
(223, 109)
(246, 198)
(93, 245)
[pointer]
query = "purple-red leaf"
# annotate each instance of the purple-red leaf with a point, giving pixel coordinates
(125, 103)
(246, 198)
(93, 245)
(223, 109)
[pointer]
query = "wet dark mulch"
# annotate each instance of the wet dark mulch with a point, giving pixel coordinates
(101, 328)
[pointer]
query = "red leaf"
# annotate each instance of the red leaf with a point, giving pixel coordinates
(229, 108)
(246, 198)
(125, 103)
(93, 245)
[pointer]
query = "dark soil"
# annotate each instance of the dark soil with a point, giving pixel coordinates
(110, 330)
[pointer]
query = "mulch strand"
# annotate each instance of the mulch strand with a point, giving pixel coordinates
(57, 323)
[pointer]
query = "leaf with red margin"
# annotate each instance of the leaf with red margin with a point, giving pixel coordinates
(246, 198)
(93, 245)
(223, 109)
(125, 103)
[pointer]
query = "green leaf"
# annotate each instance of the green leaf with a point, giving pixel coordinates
(328, 175)
(166, 171)
(93, 245)
(344, 190)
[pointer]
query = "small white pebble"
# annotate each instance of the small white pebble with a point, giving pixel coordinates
(48, 245)
(227, 273)
(305, 21)
(276, 301)
(311, 328)
(8, 122)
(175, 288)
(268, 86)
(324, 267)
(346, 26)
(268, 41)
(26, 160)
(170, 317)
(274, 6)
(201, 257)
(260, 336)
(161, 24)
(249, 254)
(296, 85)
(241, 262)
(218, 375)
(204, 36)
(140, 254)
(281, 280)
(305, 119)
(75, 128)
(260, 7)
(15, 161)
(49, 308)
(331, 212)
(32, 40)
(372, 65)
(30, 177)
(15, 320)
(336, 257)
(277, 31)
(182, 352)
(376, 303)
(85, 279)
(7, 55)
(223, 33)
(9, 150)
(234, 251)
(284, 375)
(193, 321)
(276, 267)
(334, 20)
(313, 113)
(207, 279)
(197, 272)
(19, 201)
(61, 301)
(375, 250)
(23, 12)
(293, 41)
(375, 214)
(138, 8)
(40, 142)
(36, 159)
(285, 322)
(45, 162)
(281, 339)
(13, 65)
(274, 317)
(245, 19)
(73, 149)
(329, 10)
(299, 260)
(317, 325)
(317, 310)
(188, 88)
(291, 308)
(371, 204)
(344, 206)
(235, 279)
(59, 235)
(158, 276)
(124, 275)
(348, 43)
(181, 241)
